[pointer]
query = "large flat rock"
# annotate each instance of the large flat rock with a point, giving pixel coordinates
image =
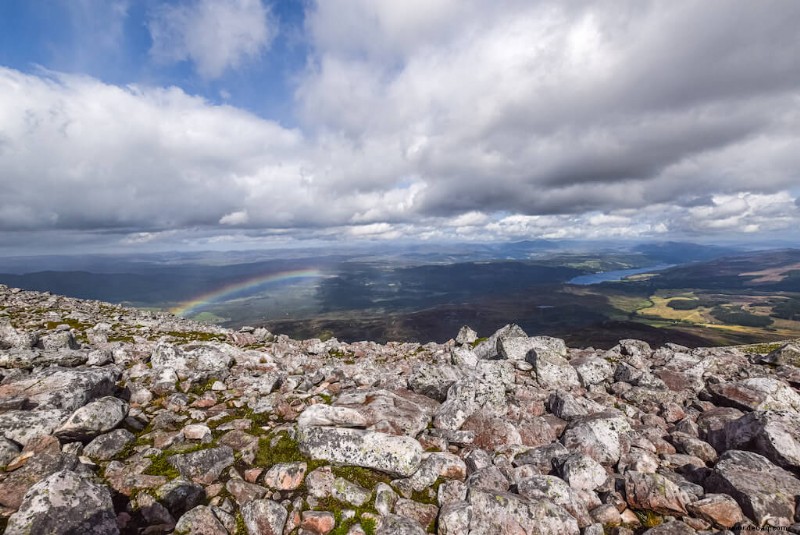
(765, 492)
(399, 455)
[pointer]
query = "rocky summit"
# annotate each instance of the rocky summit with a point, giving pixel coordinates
(116, 420)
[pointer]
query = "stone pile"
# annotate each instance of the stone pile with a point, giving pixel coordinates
(114, 420)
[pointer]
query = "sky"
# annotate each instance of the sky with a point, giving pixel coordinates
(130, 125)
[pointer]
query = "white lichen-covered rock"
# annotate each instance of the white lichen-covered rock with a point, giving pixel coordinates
(581, 472)
(502, 512)
(399, 455)
(264, 517)
(434, 381)
(558, 492)
(552, 370)
(200, 519)
(61, 388)
(22, 426)
(93, 419)
(63, 503)
(773, 434)
(598, 436)
(592, 370)
(8, 451)
(757, 394)
(765, 492)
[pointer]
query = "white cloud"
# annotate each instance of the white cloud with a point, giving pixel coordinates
(216, 35)
(240, 217)
(467, 119)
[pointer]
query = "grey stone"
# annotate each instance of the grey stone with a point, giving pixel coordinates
(500, 512)
(466, 335)
(558, 492)
(434, 381)
(398, 525)
(105, 447)
(398, 455)
(180, 495)
(765, 492)
(23, 426)
(65, 502)
(62, 388)
(773, 434)
(598, 436)
(552, 370)
(95, 418)
(592, 370)
(264, 517)
(581, 472)
(348, 492)
(203, 466)
(8, 451)
(200, 521)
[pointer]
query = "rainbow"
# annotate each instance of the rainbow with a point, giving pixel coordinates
(231, 289)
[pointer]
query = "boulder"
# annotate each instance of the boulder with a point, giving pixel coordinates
(434, 381)
(592, 370)
(756, 394)
(765, 492)
(36, 467)
(328, 415)
(180, 495)
(65, 502)
(558, 492)
(201, 521)
(203, 466)
(61, 388)
(264, 517)
(654, 492)
(719, 509)
(105, 447)
(95, 418)
(598, 436)
(773, 434)
(399, 455)
(552, 370)
(23, 426)
(501, 512)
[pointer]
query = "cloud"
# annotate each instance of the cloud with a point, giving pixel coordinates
(454, 119)
(215, 35)
(562, 107)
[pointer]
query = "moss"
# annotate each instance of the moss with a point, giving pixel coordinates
(362, 476)
(763, 349)
(428, 496)
(241, 529)
(159, 466)
(196, 336)
(369, 525)
(649, 519)
(73, 324)
(121, 338)
(343, 525)
(326, 398)
(478, 341)
(281, 448)
(344, 355)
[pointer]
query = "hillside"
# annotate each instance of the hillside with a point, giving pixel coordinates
(118, 420)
